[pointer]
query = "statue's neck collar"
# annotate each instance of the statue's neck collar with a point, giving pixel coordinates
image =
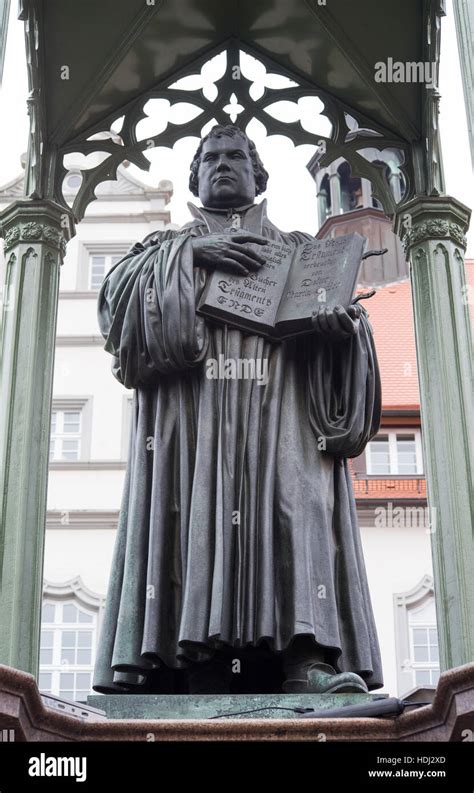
(253, 216)
(229, 210)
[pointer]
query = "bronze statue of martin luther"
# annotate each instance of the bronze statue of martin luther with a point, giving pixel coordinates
(238, 536)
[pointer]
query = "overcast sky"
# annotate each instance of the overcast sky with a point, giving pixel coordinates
(291, 191)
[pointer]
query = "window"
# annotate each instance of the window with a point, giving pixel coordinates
(69, 625)
(95, 259)
(424, 644)
(68, 637)
(127, 417)
(99, 266)
(416, 637)
(71, 425)
(395, 453)
(378, 451)
(65, 443)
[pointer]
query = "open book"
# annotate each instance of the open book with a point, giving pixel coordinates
(281, 299)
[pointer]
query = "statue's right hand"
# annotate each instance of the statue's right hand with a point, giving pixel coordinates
(229, 252)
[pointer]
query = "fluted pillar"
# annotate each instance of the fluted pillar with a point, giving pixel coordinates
(432, 230)
(35, 235)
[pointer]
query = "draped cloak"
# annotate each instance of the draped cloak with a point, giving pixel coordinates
(237, 526)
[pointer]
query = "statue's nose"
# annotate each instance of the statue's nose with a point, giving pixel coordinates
(222, 165)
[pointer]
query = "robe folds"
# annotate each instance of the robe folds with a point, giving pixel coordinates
(237, 526)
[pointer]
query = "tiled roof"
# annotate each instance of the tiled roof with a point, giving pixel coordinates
(391, 316)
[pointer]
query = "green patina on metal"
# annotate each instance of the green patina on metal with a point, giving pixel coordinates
(433, 230)
(207, 706)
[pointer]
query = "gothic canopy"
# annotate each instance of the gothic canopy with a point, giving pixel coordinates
(91, 63)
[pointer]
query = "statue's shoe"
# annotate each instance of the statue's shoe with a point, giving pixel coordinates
(323, 679)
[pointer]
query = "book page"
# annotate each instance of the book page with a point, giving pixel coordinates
(323, 275)
(255, 297)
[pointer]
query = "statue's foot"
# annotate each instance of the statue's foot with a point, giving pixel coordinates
(319, 678)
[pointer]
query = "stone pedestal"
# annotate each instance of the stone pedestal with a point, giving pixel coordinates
(449, 718)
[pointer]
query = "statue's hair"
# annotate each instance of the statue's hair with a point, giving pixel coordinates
(261, 175)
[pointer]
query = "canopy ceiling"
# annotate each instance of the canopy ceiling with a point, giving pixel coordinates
(118, 49)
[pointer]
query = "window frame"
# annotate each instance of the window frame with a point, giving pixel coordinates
(61, 435)
(96, 248)
(108, 264)
(71, 592)
(421, 666)
(392, 434)
(83, 405)
(405, 604)
(127, 415)
(58, 628)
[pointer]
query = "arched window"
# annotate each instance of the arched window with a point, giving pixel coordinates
(416, 637)
(69, 628)
(351, 188)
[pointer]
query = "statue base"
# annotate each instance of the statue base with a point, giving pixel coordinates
(25, 716)
(208, 706)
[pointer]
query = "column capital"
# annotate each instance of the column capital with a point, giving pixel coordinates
(30, 221)
(432, 218)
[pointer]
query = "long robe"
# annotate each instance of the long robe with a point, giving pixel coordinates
(189, 577)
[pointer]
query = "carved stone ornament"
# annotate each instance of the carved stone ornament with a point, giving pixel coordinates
(31, 231)
(11, 237)
(434, 229)
(34, 232)
(51, 235)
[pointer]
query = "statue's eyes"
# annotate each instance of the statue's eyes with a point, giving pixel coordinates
(234, 155)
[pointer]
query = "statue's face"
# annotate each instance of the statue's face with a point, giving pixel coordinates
(225, 176)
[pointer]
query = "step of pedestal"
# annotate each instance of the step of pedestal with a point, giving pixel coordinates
(206, 706)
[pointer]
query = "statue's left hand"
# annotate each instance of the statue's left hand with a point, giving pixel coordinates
(338, 322)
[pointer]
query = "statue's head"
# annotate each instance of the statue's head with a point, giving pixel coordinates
(226, 170)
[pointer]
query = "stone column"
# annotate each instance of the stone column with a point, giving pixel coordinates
(464, 18)
(322, 198)
(395, 185)
(432, 230)
(4, 17)
(335, 191)
(35, 235)
(366, 192)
